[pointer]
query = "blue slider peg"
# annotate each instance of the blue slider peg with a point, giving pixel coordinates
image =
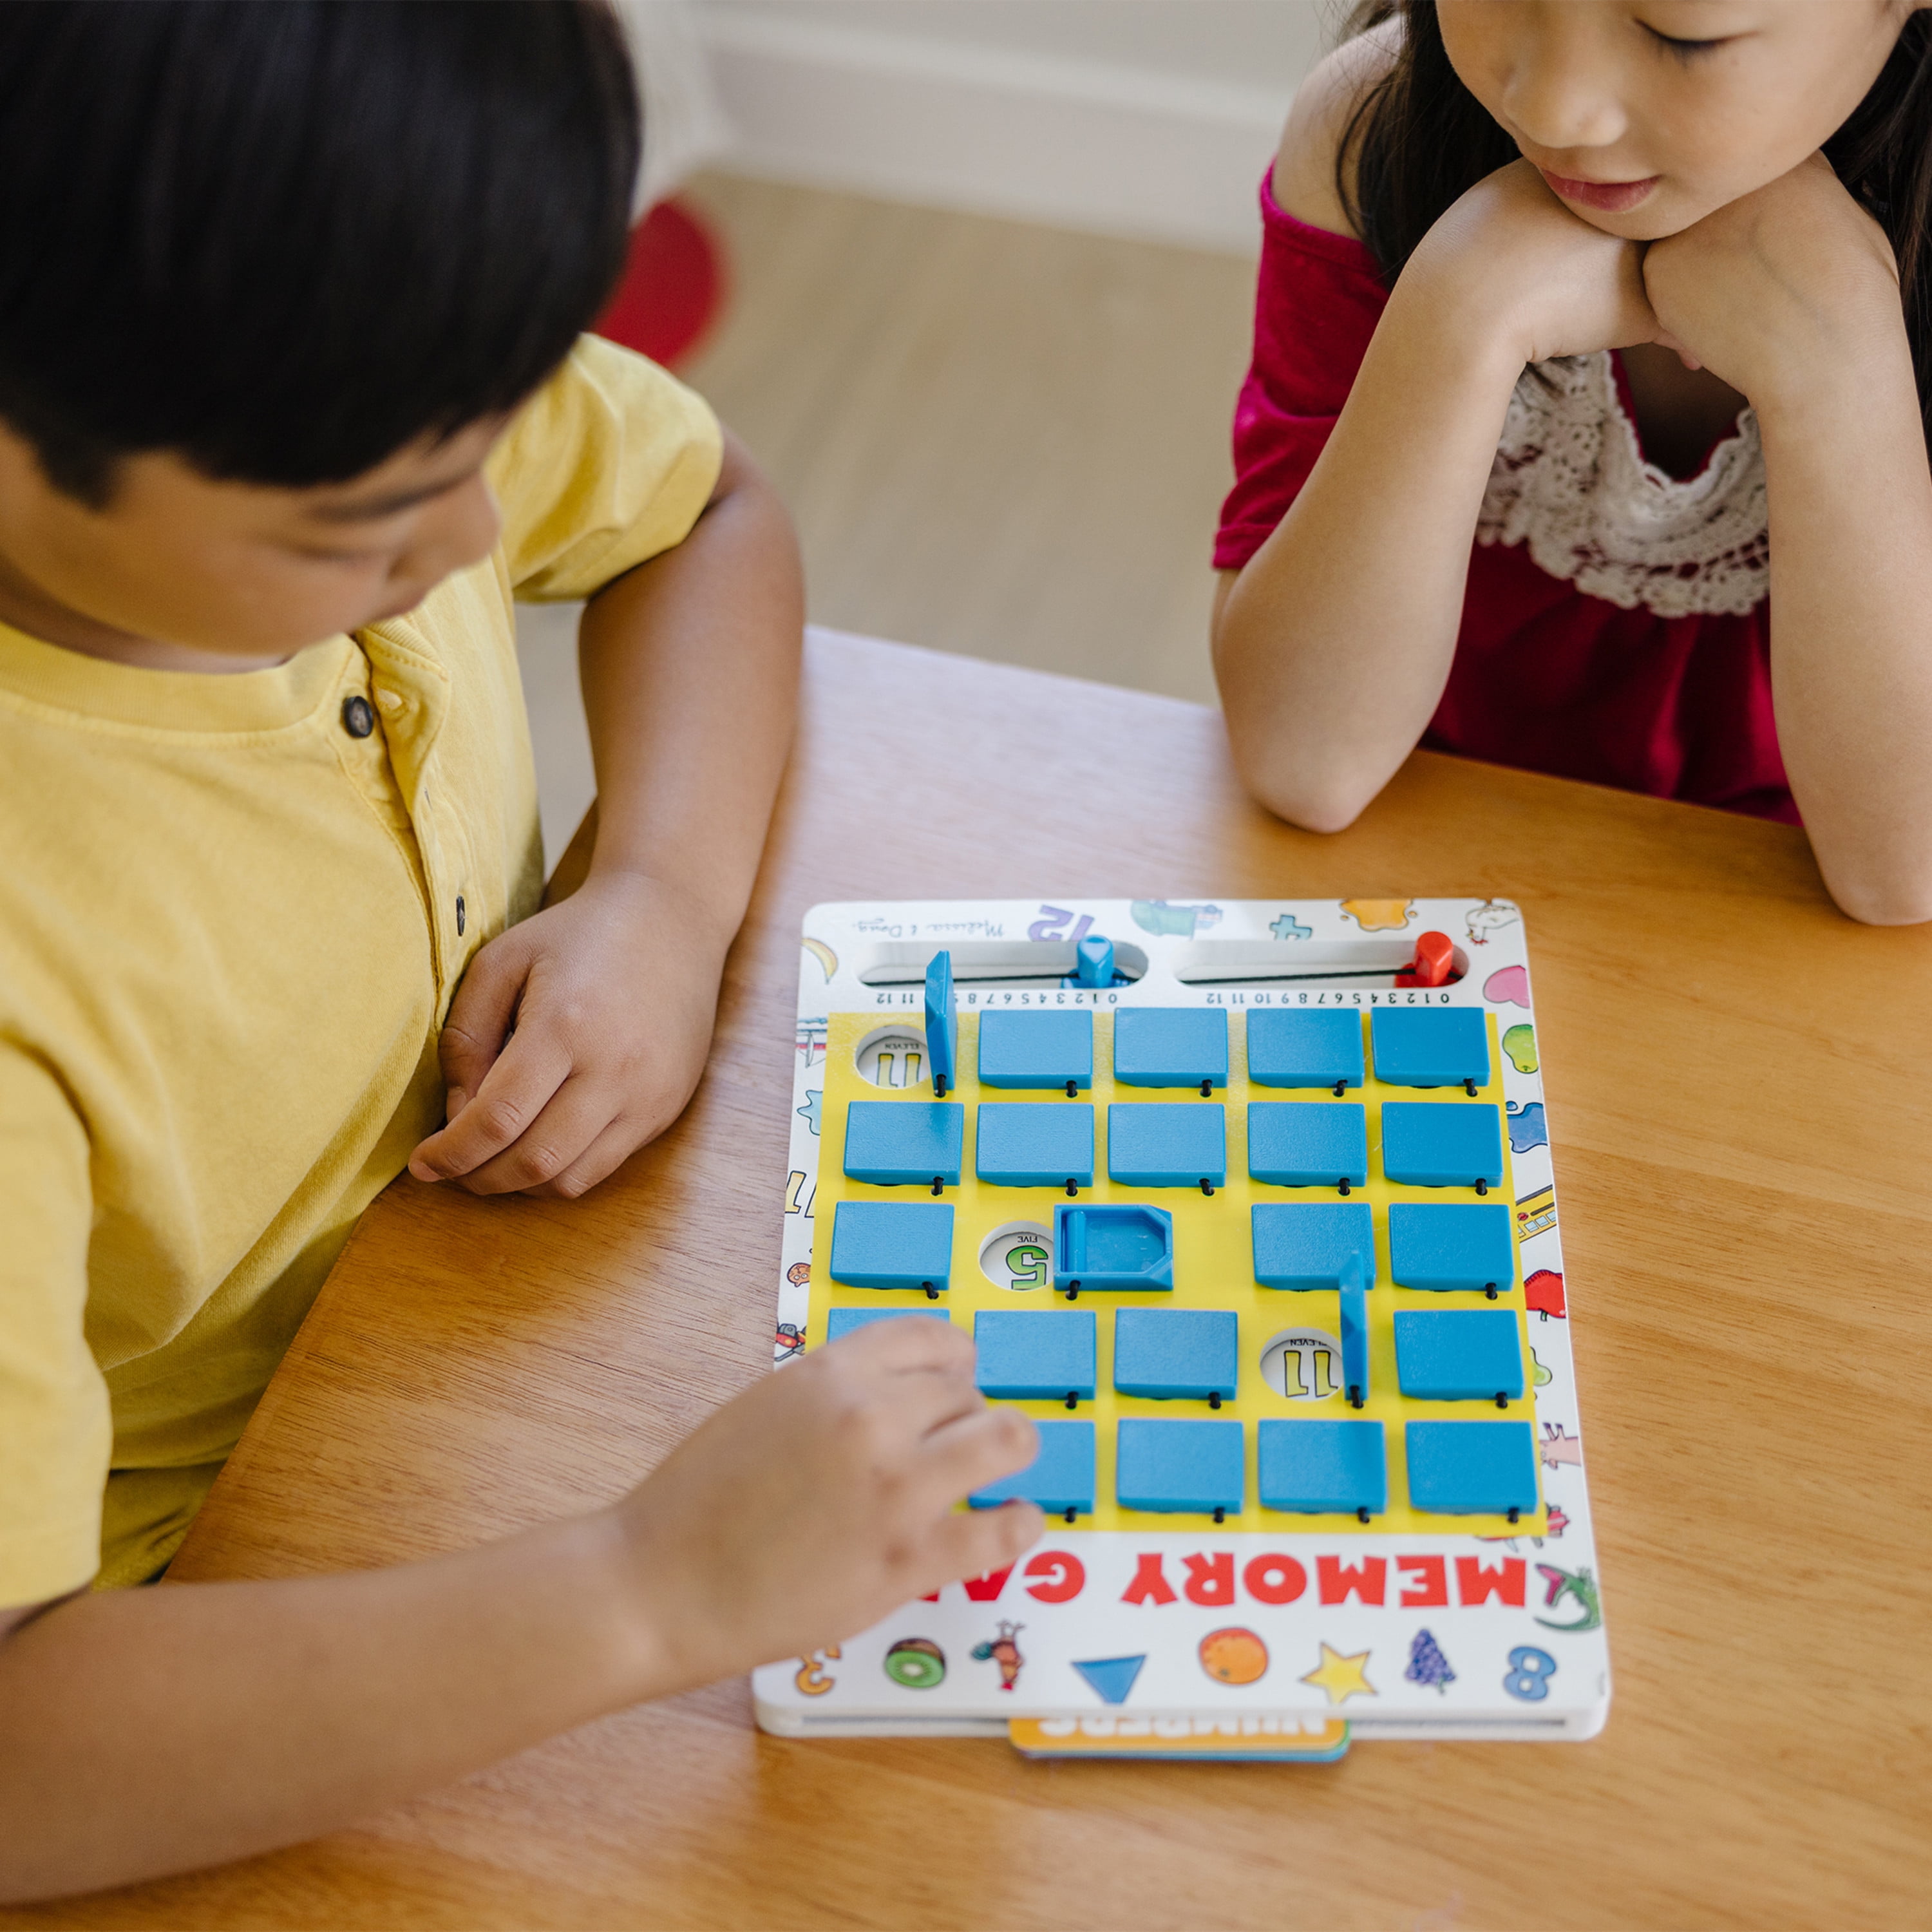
(1355, 1331)
(1093, 962)
(942, 1024)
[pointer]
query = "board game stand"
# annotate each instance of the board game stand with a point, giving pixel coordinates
(1223, 1195)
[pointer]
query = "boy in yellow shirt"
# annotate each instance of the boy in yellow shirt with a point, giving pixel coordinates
(293, 403)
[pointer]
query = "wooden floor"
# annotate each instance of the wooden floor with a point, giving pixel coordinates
(999, 439)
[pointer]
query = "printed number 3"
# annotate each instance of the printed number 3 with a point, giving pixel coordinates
(1530, 1672)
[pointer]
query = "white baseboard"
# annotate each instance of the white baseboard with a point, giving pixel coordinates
(1037, 137)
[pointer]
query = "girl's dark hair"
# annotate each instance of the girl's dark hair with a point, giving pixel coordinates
(1419, 138)
(284, 240)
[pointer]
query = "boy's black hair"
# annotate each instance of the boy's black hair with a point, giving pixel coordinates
(285, 238)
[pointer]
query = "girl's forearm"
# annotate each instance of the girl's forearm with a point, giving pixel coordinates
(1851, 627)
(1333, 646)
(144, 1731)
(690, 667)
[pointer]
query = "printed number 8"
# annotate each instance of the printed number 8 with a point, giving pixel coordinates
(1530, 1672)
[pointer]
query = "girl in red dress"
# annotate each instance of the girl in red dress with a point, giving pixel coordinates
(1582, 330)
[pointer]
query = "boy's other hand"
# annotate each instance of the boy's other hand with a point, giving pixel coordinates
(574, 1038)
(819, 1501)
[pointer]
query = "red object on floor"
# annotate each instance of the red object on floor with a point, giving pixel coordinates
(673, 288)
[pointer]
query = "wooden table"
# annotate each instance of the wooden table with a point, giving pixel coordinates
(1738, 1080)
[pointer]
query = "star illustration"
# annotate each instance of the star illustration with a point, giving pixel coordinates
(1342, 1677)
(813, 1095)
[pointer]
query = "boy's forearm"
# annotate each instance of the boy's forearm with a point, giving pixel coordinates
(1332, 646)
(1851, 632)
(690, 673)
(144, 1731)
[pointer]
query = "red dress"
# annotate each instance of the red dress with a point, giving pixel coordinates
(1659, 682)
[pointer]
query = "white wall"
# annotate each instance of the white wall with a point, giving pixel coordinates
(1153, 118)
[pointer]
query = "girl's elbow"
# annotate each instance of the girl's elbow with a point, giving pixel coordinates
(1312, 801)
(1883, 902)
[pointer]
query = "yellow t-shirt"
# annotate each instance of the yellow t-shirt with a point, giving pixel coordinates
(229, 932)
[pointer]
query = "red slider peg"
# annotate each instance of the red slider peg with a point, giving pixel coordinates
(1434, 961)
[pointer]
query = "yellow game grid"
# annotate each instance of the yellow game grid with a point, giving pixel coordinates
(1212, 1265)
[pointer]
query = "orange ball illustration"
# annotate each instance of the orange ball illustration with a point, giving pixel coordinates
(1233, 1656)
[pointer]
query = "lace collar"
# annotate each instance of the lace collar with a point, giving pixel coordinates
(1570, 481)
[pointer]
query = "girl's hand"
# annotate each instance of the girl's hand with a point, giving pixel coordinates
(574, 1038)
(819, 1501)
(1509, 262)
(1780, 290)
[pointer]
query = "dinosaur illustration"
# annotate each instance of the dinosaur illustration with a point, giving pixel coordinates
(1157, 916)
(1577, 1583)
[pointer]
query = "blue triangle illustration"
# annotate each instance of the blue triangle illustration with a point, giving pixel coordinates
(1112, 1677)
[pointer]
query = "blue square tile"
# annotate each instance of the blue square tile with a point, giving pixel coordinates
(1158, 1144)
(1034, 1144)
(1321, 1467)
(1458, 1354)
(886, 1244)
(842, 1320)
(1170, 1046)
(1039, 1050)
(1042, 1354)
(1430, 1046)
(1293, 1047)
(1472, 1468)
(1442, 1143)
(1308, 1143)
(902, 1143)
(1194, 1468)
(1305, 1245)
(1059, 1478)
(1113, 1245)
(1460, 1246)
(1178, 1353)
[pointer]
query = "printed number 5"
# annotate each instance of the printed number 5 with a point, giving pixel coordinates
(1530, 1672)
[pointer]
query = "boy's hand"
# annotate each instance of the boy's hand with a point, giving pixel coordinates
(574, 1038)
(1779, 291)
(819, 1501)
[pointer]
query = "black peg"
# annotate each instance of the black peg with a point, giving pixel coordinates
(1341, 1087)
(1073, 1089)
(939, 1086)
(1515, 1514)
(1469, 1085)
(1362, 1514)
(1482, 1185)
(938, 1184)
(1072, 1186)
(1220, 1515)
(1207, 1089)
(1072, 1398)
(931, 1293)
(1354, 1395)
(1207, 1187)
(1214, 1399)
(1341, 1186)
(1071, 1514)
